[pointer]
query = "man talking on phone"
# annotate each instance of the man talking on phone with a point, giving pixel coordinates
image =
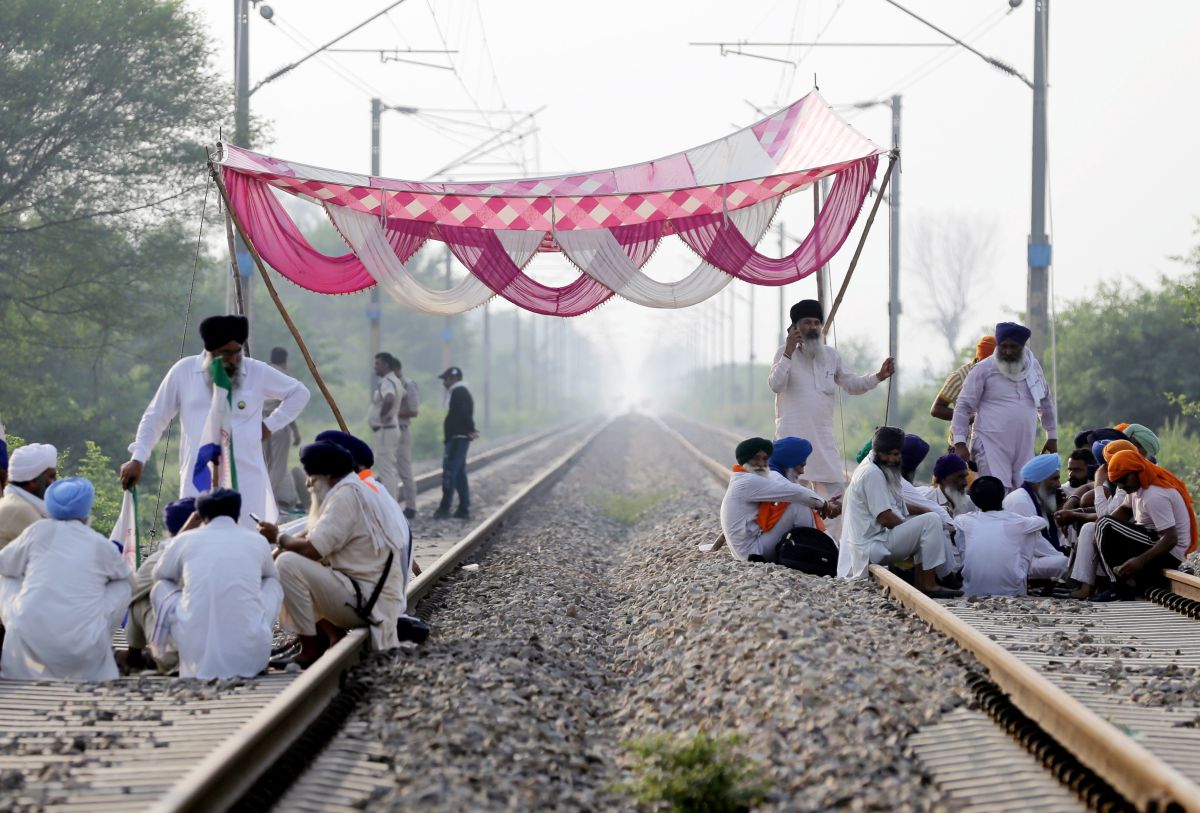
(803, 377)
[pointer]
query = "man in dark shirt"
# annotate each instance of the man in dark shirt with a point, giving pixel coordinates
(458, 431)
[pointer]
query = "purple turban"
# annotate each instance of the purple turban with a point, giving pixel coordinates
(1011, 330)
(912, 452)
(948, 465)
(177, 513)
(789, 453)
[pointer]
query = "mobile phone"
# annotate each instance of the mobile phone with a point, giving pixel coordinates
(255, 517)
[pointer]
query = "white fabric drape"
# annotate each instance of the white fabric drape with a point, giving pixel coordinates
(601, 257)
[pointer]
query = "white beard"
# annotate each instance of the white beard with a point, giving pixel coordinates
(1014, 370)
(811, 347)
(235, 376)
(956, 499)
(1048, 497)
(893, 477)
(765, 471)
(319, 490)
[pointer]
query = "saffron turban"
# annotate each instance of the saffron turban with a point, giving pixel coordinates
(326, 459)
(28, 462)
(912, 452)
(1011, 330)
(887, 439)
(1116, 446)
(1128, 462)
(1143, 437)
(220, 502)
(986, 346)
(749, 447)
(176, 514)
(361, 453)
(218, 331)
(987, 493)
(806, 309)
(1041, 467)
(789, 453)
(70, 498)
(948, 465)
(864, 451)
(1121, 427)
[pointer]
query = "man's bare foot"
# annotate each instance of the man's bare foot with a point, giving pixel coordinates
(1082, 591)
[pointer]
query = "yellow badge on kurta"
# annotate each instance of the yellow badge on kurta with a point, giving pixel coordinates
(241, 404)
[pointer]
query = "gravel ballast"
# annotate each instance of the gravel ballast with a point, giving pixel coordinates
(581, 630)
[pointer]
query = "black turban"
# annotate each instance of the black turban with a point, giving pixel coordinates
(218, 331)
(987, 493)
(887, 439)
(806, 308)
(220, 502)
(325, 458)
(364, 458)
(750, 447)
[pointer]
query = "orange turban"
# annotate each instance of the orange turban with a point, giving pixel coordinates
(986, 346)
(1121, 427)
(1118, 446)
(1129, 462)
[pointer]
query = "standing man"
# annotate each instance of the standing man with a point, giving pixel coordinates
(943, 403)
(397, 397)
(187, 391)
(1004, 395)
(458, 430)
(278, 446)
(803, 377)
(33, 468)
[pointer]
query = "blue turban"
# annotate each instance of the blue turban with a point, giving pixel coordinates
(175, 514)
(1041, 467)
(789, 453)
(220, 502)
(1098, 449)
(70, 498)
(1011, 330)
(912, 452)
(364, 458)
(3, 454)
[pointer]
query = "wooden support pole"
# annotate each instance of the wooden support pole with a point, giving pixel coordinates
(887, 176)
(233, 264)
(262, 270)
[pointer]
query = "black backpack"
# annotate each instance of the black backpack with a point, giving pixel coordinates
(807, 550)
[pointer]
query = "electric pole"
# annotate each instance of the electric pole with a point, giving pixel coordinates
(375, 308)
(487, 368)
(241, 137)
(894, 259)
(1038, 293)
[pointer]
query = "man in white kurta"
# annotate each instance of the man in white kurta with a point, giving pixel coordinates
(142, 615)
(187, 392)
(1037, 497)
(63, 588)
(998, 545)
(217, 594)
(804, 376)
(1005, 394)
(753, 483)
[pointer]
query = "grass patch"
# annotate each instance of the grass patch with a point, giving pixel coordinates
(704, 774)
(626, 508)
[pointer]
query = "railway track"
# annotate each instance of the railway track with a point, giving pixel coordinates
(1105, 696)
(152, 743)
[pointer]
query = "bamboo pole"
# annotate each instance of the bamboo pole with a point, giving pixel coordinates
(233, 264)
(262, 270)
(887, 176)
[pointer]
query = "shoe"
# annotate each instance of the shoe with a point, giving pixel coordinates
(942, 592)
(442, 513)
(409, 513)
(1106, 596)
(462, 514)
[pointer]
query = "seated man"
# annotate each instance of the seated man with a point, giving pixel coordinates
(1147, 442)
(1163, 530)
(918, 500)
(216, 594)
(878, 528)
(948, 498)
(1038, 496)
(177, 517)
(64, 588)
(1105, 498)
(31, 470)
(760, 505)
(998, 545)
(346, 569)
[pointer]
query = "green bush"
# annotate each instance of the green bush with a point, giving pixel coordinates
(705, 774)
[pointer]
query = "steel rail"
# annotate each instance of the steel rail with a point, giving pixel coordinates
(1143, 778)
(434, 478)
(227, 773)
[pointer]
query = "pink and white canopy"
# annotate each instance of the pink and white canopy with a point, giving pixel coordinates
(718, 198)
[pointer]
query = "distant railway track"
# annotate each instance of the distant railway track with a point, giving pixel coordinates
(149, 743)
(1106, 696)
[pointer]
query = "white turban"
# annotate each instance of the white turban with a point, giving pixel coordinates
(29, 461)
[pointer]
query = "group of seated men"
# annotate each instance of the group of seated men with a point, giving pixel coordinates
(206, 601)
(1120, 517)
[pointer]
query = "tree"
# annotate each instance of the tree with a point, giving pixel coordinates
(951, 254)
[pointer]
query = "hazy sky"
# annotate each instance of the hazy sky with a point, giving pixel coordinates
(620, 83)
